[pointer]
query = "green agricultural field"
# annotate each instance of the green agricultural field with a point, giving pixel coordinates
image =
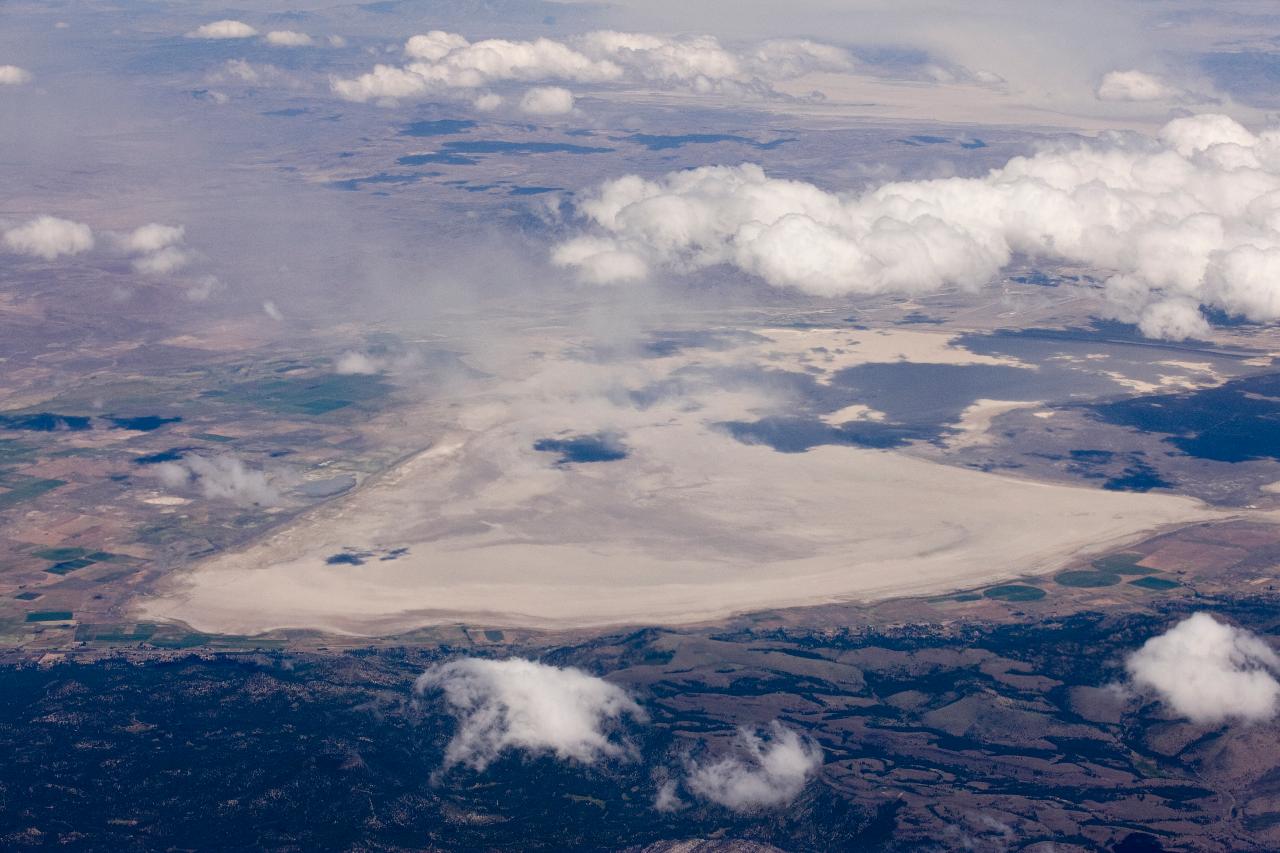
(316, 395)
(57, 555)
(1085, 578)
(1122, 564)
(1015, 592)
(49, 616)
(12, 450)
(67, 560)
(1155, 584)
(126, 633)
(66, 567)
(25, 491)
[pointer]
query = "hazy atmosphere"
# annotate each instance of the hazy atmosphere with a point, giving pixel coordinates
(640, 426)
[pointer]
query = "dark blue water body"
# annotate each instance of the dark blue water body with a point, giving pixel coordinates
(1037, 278)
(916, 318)
(1076, 351)
(436, 157)
(173, 454)
(1027, 343)
(1218, 317)
(145, 423)
(671, 343)
(1238, 421)
(438, 127)
(501, 146)
(1139, 476)
(45, 422)
(796, 435)
(460, 153)
(532, 190)
(382, 178)
(805, 395)
(920, 401)
(600, 447)
(659, 142)
(927, 139)
(922, 393)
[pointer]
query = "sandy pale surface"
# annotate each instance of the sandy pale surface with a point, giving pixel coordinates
(691, 525)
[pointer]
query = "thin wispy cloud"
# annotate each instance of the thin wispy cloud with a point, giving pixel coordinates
(766, 770)
(225, 477)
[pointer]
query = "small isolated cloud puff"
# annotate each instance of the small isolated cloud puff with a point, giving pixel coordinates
(1134, 86)
(203, 288)
(547, 101)
(48, 237)
(667, 799)
(241, 71)
(223, 30)
(765, 774)
(1190, 218)
(440, 61)
(355, 363)
(223, 477)
(288, 38)
(159, 247)
(524, 705)
(153, 237)
(12, 75)
(163, 262)
(1209, 672)
(358, 364)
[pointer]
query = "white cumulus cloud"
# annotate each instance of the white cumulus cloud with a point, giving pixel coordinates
(157, 248)
(358, 364)
(440, 61)
(223, 30)
(547, 101)
(765, 772)
(524, 705)
(1209, 672)
(224, 477)
(1134, 86)
(153, 237)
(48, 237)
(288, 38)
(12, 75)
(1188, 219)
